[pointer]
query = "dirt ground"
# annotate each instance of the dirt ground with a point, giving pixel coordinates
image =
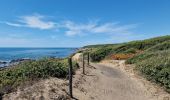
(108, 80)
(48, 89)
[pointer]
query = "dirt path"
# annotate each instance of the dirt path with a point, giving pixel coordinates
(109, 81)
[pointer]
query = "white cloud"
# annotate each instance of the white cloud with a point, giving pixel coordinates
(107, 27)
(33, 21)
(13, 24)
(73, 28)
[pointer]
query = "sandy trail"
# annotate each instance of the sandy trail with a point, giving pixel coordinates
(110, 81)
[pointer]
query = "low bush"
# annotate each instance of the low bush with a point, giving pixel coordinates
(162, 46)
(121, 56)
(157, 68)
(12, 77)
(140, 57)
(100, 54)
(131, 51)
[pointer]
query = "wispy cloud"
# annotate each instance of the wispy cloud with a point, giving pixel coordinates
(33, 21)
(13, 24)
(73, 28)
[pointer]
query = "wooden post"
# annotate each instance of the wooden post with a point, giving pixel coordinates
(70, 77)
(83, 65)
(88, 58)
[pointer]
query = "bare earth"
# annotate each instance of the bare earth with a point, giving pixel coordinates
(108, 80)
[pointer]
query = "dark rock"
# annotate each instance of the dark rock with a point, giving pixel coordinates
(1, 95)
(52, 57)
(20, 60)
(3, 62)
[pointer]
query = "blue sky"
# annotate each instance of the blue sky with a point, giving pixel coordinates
(75, 23)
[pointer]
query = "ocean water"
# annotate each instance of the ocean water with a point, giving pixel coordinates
(8, 54)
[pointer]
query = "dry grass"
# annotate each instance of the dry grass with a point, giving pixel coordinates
(121, 56)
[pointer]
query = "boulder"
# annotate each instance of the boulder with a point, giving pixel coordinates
(3, 62)
(20, 60)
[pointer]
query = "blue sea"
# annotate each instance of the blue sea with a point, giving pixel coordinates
(8, 54)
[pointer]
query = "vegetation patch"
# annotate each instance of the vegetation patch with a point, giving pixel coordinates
(162, 46)
(100, 52)
(156, 68)
(121, 56)
(140, 57)
(11, 78)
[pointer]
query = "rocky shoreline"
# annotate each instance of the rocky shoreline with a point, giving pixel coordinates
(4, 64)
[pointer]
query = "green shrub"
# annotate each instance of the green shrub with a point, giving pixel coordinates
(162, 46)
(131, 50)
(157, 68)
(141, 57)
(12, 77)
(100, 54)
(148, 43)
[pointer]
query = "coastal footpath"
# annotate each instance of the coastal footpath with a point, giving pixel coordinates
(135, 70)
(109, 79)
